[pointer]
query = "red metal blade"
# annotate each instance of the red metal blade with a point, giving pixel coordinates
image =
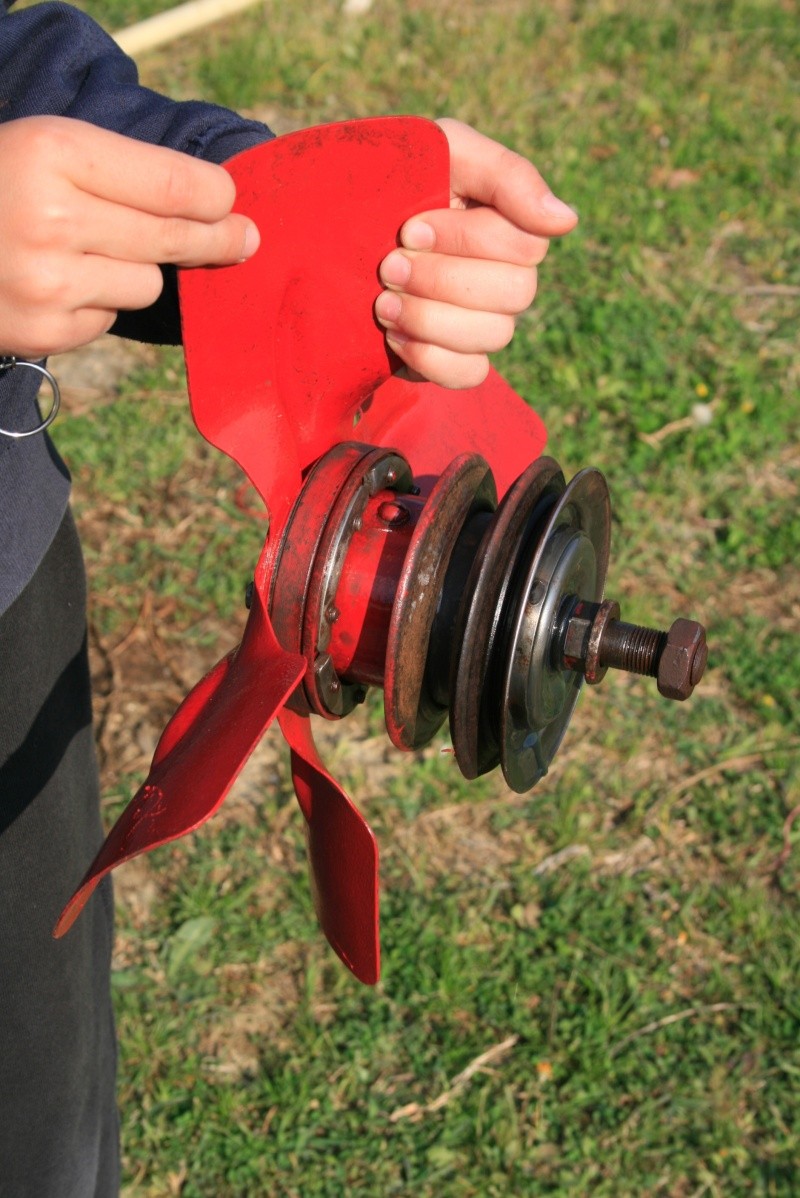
(282, 350)
(343, 854)
(431, 426)
(201, 751)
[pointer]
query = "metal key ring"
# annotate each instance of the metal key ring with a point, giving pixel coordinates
(10, 364)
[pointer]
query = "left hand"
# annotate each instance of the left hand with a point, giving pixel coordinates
(462, 275)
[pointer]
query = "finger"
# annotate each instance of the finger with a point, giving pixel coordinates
(112, 285)
(63, 286)
(483, 170)
(88, 325)
(473, 233)
(59, 333)
(124, 233)
(468, 282)
(155, 179)
(441, 366)
(446, 325)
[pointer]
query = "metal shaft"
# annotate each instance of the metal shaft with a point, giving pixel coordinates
(594, 639)
(632, 647)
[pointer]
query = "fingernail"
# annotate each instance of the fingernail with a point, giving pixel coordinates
(396, 341)
(417, 235)
(252, 240)
(395, 269)
(553, 206)
(388, 307)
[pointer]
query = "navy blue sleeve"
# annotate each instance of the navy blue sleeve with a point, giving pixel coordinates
(56, 61)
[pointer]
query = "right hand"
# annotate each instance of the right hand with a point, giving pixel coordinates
(87, 216)
(462, 274)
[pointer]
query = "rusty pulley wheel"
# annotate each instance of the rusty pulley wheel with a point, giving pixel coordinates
(476, 673)
(420, 625)
(539, 694)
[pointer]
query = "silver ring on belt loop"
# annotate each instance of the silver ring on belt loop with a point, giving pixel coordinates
(10, 364)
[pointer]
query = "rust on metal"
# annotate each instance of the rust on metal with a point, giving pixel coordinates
(466, 487)
(476, 666)
(683, 660)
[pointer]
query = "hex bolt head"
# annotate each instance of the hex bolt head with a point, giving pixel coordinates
(683, 660)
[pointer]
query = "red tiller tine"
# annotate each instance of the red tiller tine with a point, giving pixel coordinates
(431, 425)
(282, 350)
(201, 751)
(343, 855)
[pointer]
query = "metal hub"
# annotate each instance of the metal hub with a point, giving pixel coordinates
(477, 671)
(493, 615)
(538, 694)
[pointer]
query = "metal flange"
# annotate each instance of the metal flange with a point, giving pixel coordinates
(414, 712)
(310, 559)
(538, 694)
(476, 673)
(378, 470)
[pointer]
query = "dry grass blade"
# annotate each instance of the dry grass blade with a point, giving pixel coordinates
(415, 1110)
(689, 1013)
(785, 852)
(555, 860)
(682, 425)
(737, 765)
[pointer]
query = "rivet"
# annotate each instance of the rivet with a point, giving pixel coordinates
(393, 514)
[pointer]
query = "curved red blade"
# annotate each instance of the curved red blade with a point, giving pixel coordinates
(431, 426)
(282, 350)
(343, 854)
(201, 751)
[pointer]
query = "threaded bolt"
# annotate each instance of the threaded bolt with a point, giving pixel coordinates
(632, 647)
(595, 639)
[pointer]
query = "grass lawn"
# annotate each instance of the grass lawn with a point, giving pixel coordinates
(591, 989)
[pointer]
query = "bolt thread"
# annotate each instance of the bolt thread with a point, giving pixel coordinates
(632, 647)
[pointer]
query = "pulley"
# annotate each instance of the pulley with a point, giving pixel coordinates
(491, 616)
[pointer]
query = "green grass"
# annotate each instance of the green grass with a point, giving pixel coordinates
(649, 979)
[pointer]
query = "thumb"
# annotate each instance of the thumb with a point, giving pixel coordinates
(484, 171)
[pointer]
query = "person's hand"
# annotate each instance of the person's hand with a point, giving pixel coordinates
(462, 275)
(86, 216)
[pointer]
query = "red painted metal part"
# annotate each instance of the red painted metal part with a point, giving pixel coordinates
(201, 751)
(430, 426)
(286, 588)
(283, 350)
(366, 592)
(283, 358)
(343, 855)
